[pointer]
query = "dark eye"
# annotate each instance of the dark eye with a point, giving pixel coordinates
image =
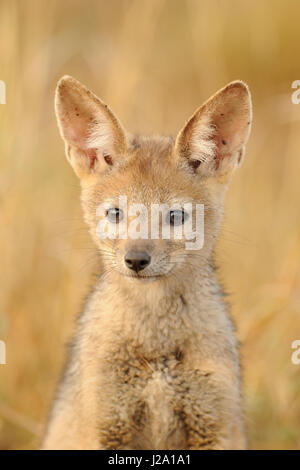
(114, 215)
(176, 217)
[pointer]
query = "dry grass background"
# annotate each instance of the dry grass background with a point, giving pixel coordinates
(153, 61)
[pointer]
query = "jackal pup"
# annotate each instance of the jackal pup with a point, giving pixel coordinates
(154, 362)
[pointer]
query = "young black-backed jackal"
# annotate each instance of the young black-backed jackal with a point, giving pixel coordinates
(154, 362)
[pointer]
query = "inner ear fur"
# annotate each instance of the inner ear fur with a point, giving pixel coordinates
(94, 138)
(212, 142)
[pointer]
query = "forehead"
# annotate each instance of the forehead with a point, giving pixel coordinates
(150, 176)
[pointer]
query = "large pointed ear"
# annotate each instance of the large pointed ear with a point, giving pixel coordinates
(94, 138)
(212, 143)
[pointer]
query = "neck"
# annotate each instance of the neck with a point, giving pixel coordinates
(159, 315)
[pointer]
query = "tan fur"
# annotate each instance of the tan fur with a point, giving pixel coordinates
(154, 362)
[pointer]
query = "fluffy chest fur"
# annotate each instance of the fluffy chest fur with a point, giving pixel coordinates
(160, 368)
(154, 401)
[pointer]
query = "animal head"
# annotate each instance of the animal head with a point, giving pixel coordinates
(128, 182)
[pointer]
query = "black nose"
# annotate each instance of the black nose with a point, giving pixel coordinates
(137, 260)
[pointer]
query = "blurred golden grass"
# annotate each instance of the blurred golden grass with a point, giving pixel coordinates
(153, 61)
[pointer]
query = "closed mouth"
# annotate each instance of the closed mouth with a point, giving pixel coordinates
(143, 277)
